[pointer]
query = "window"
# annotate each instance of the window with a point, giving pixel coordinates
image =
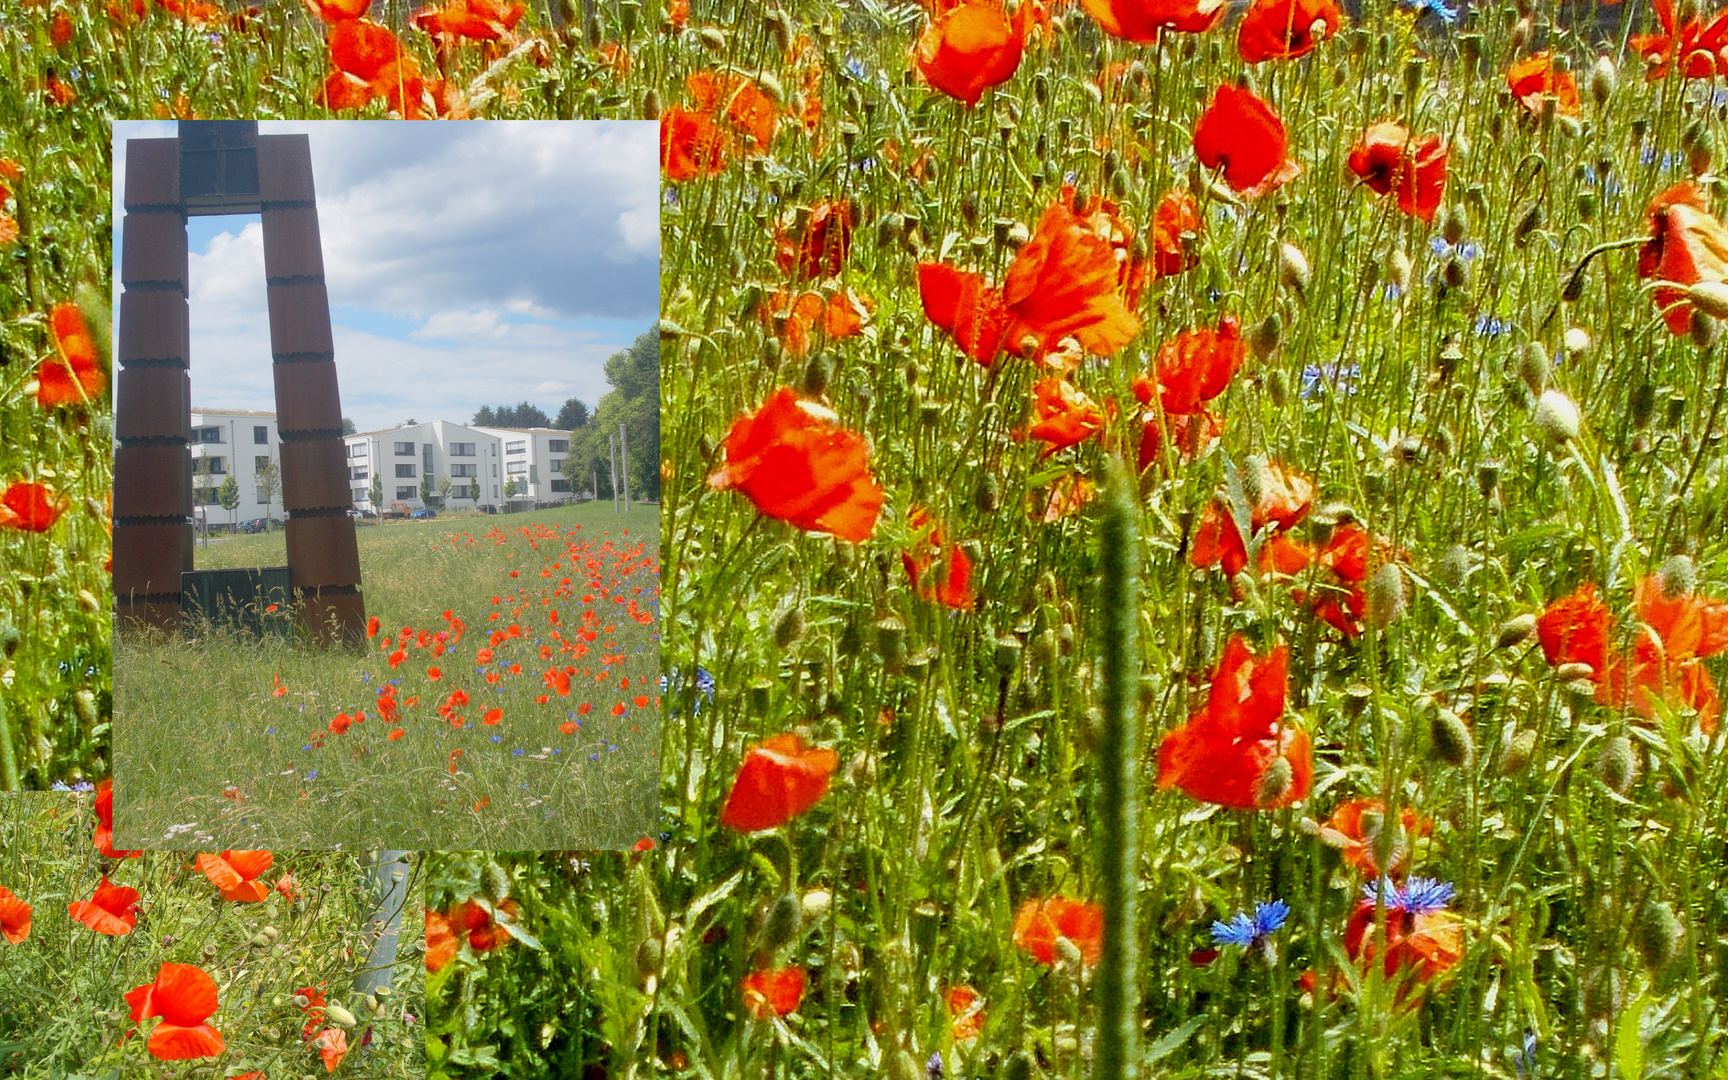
(404, 449)
(462, 449)
(360, 495)
(560, 484)
(404, 471)
(557, 465)
(407, 493)
(494, 468)
(218, 466)
(428, 459)
(516, 468)
(263, 496)
(533, 474)
(205, 496)
(494, 491)
(557, 446)
(358, 473)
(209, 434)
(261, 462)
(463, 470)
(516, 448)
(261, 435)
(357, 449)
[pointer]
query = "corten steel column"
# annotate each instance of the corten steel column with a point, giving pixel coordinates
(152, 466)
(323, 557)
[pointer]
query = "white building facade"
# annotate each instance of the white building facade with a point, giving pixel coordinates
(405, 457)
(238, 444)
(534, 459)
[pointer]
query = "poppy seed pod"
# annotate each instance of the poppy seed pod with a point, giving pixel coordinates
(1517, 753)
(1267, 335)
(1556, 417)
(1533, 366)
(1293, 270)
(1451, 739)
(1574, 671)
(1656, 935)
(1277, 387)
(1704, 330)
(789, 627)
(890, 639)
(780, 29)
(1604, 79)
(1386, 600)
(783, 920)
(1520, 35)
(1710, 297)
(1488, 478)
(1533, 219)
(651, 104)
(988, 495)
(1617, 765)
(817, 371)
(1515, 631)
(1007, 653)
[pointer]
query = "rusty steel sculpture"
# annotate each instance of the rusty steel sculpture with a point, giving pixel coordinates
(226, 167)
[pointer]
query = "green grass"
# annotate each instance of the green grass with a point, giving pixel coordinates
(62, 1005)
(200, 715)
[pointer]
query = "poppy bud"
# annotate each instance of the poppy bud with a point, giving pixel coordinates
(988, 495)
(889, 229)
(1488, 478)
(1520, 34)
(1699, 154)
(1274, 783)
(861, 770)
(771, 351)
(1020, 1067)
(1068, 953)
(1293, 270)
(1451, 738)
(1470, 48)
(1515, 631)
(1044, 649)
(1456, 274)
(816, 903)
(929, 413)
(84, 704)
(789, 627)
(1398, 269)
(1356, 699)
(1710, 297)
(1386, 599)
(1574, 671)
(1704, 330)
(1556, 417)
(1454, 567)
(1533, 219)
(1278, 387)
(1517, 753)
(1267, 335)
(783, 921)
(780, 29)
(713, 38)
(1041, 91)
(969, 207)
(272, 933)
(648, 954)
(339, 1016)
(1603, 80)
(1533, 366)
(1065, 639)
(259, 941)
(890, 639)
(1576, 341)
(651, 104)
(817, 371)
(1678, 575)
(1656, 935)
(1617, 765)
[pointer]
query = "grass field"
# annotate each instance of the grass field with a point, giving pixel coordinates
(63, 1010)
(521, 709)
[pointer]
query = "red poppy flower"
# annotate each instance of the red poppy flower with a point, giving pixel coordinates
(235, 873)
(396, 658)
(959, 302)
(1066, 416)
(1142, 20)
(336, 10)
(288, 887)
(1064, 282)
(1342, 601)
(1244, 136)
(77, 375)
(821, 250)
(953, 584)
(184, 997)
(1039, 923)
(372, 627)
(796, 464)
(1389, 159)
(1175, 225)
(1189, 433)
(966, 1009)
(1284, 29)
(485, 932)
(370, 63)
(772, 991)
(492, 716)
(1238, 750)
(1133, 270)
(1284, 499)
(476, 20)
(1687, 245)
(837, 316)
(749, 110)
(14, 917)
(1419, 945)
(1357, 829)
(1533, 79)
(31, 507)
(109, 911)
(644, 844)
(779, 779)
(1574, 630)
(971, 46)
(1675, 633)
(1194, 367)
(105, 823)
(332, 1047)
(441, 942)
(691, 144)
(1700, 48)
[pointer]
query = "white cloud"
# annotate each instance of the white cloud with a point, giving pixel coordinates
(462, 325)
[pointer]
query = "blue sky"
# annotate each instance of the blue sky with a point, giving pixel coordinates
(470, 264)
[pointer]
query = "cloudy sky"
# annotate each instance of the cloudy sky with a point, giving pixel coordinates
(468, 264)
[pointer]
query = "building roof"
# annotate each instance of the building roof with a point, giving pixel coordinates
(232, 412)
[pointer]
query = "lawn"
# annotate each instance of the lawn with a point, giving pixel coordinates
(300, 936)
(509, 697)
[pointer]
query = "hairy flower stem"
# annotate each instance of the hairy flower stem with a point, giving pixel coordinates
(1118, 1051)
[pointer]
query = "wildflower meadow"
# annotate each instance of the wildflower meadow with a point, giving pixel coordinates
(234, 963)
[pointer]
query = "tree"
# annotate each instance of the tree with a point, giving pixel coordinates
(348, 427)
(228, 495)
(573, 415)
(520, 415)
(201, 481)
(510, 488)
(444, 487)
(269, 484)
(484, 417)
(376, 494)
(633, 401)
(426, 490)
(410, 422)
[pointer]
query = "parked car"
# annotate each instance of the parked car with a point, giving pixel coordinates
(424, 513)
(362, 515)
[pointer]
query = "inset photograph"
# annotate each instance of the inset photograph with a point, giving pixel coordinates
(386, 491)
(119, 963)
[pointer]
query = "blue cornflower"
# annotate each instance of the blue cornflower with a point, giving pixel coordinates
(1468, 251)
(1419, 896)
(1524, 1059)
(517, 753)
(933, 1067)
(313, 775)
(1316, 377)
(1245, 931)
(1488, 326)
(497, 738)
(1440, 10)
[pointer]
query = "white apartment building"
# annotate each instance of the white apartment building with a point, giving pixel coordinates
(238, 444)
(534, 458)
(471, 458)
